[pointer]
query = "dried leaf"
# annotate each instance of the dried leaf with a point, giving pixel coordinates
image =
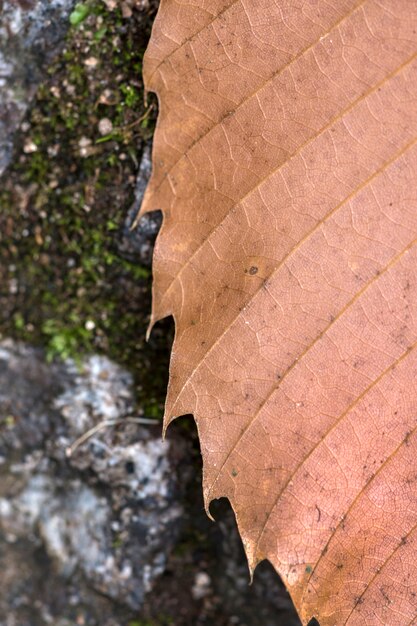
(285, 163)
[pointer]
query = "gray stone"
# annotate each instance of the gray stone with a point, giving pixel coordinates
(105, 510)
(31, 34)
(137, 239)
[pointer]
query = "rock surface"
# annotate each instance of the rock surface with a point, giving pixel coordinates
(108, 514)
(31, 33)
(136, 241)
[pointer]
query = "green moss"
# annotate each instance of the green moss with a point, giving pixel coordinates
(63, 206)
(79, 14)
(131, 96)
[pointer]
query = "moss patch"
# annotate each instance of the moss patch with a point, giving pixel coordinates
(64, 200)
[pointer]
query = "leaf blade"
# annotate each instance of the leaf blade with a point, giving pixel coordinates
(290, 223)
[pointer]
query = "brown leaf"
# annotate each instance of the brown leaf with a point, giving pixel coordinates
(285, 162)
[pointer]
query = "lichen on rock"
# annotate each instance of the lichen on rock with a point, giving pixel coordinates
(110, 512)
(31, 34)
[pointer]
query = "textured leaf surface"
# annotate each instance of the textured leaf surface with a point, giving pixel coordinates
(285, 163)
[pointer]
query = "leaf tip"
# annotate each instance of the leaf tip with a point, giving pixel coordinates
(151, 324)
(207, 502)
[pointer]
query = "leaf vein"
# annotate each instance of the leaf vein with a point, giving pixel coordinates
(275, 387)
(260, 87)
(288, 159)
(359, 188)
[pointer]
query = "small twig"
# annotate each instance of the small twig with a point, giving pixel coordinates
(139, 120)
(119, 130)
(106, 424)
